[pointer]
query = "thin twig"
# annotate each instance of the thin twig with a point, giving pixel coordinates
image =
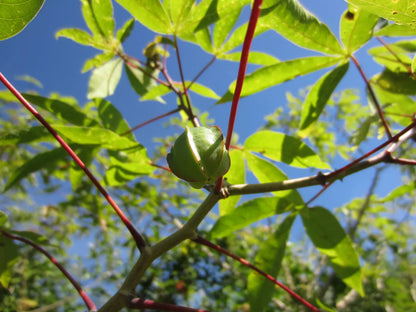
(151, 120)
(141, 304)
(202, 71)
(205, 242)
(373, 96)
(408, 68)
(191, 115)
(88, 302)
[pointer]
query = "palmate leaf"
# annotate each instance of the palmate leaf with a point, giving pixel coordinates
(269, 76)
(268, 259)
(356, 28)
(329, 238)
(281, 147)
(15, 15)
(178, 11)
(399, 11)
(295, 23)
(320, 94)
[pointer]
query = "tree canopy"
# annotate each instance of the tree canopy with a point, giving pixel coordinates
(94, 215)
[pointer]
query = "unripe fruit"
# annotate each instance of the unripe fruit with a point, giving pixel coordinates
(199, 156)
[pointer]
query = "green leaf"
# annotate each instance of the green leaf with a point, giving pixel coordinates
(296, 24)
(97, 136)
(179, 12)
(356, 28)
(400, 191)
(124, 32)
(61, 109)
(27, 135)
(395, 30)
(249, 212)
(396, 57)
(3, 218)
(97, 61)
(266, 172)
(150, 13)
(16, 14)
(361, 133)
(203, 90)
(398, 11)
(330, 239)
(396, 82)
(111, 118)
(124, 168)
(319, 95)
(396, 102)
(76, 174)
(228, 13)
(41, 161)
(238, 36)
(284, 148)
(103, 13)
(140, 82)
(105, 79)
(9, 256)
(155, 93)
(30, 79)
(90, 19)
(269, 76)
(80, 36)
(268, 259)
(236, 175)
(258, 58)
(125, 152)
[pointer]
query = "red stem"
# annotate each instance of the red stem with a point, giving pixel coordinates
(255, 13)
(203, 241)
(139, 303)
(346, 167)
(392, 139)
(373, 96)
(88, 302)
(135, 234)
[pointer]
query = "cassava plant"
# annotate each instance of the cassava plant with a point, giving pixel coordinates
(197, 220)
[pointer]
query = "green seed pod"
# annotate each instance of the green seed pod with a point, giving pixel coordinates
(199, 156)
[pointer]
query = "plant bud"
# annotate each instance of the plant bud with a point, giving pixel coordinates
(199, 156)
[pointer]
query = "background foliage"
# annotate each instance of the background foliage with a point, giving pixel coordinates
(359, 256)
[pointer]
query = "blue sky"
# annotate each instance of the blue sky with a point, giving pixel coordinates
(57, 64)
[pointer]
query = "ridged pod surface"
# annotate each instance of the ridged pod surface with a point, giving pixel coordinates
(198, 156)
